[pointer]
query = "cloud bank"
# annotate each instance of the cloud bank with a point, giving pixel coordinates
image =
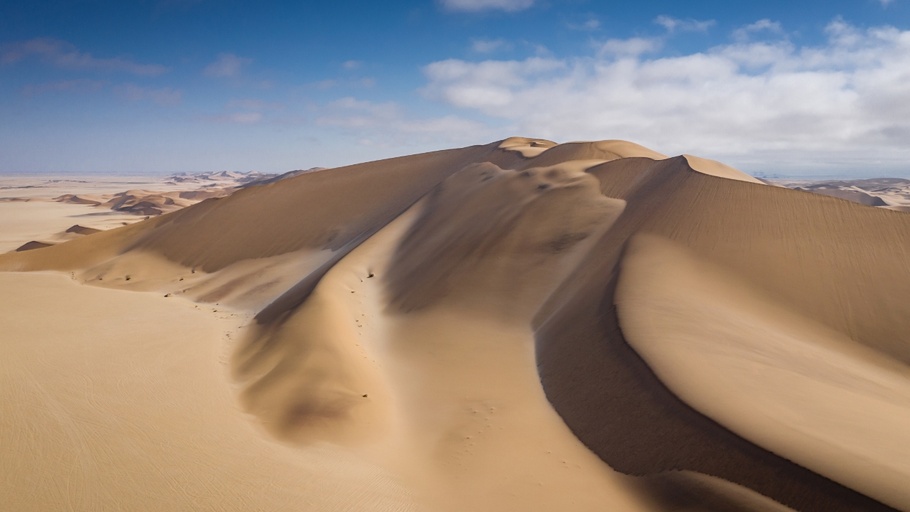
(828, 107)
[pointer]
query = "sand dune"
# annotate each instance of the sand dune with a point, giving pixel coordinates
(830, 404)
(891, 193)
(521, 325)
(123, 402)
(838, 263)
(99, 202)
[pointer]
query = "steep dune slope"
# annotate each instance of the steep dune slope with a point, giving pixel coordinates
(417, 347)
(830, 404)
(843, 265)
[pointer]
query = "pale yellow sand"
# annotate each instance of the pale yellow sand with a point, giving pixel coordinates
(781, 380)
(392, 362)
(721, 170)
(29, 212)
(21, 222)
(141, 393)
(448, 397)
(117, 400)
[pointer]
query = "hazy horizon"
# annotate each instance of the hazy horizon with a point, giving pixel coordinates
(166, 173)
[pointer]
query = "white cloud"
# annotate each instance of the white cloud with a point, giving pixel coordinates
(886, 3)
(248, 111)
(487, 5)
(762, 25)
(486, 84)
(353, 113)
(65, 55)
(762, 106)
(227, 65)
(591, 23)
(489, 45)
(351, 64)
(680, 25)
(388, 124)
(630, 47)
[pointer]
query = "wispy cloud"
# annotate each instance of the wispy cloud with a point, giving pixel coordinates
(630, 47)
(239, 118)
(489, 45)
(164, 96)
(828, 106)
(227, 65)
(253, 104)
(488, 85)
(248, 111)
(762, 25)
(591, 23)
(486, 5)
(683, 25)
(351, 65)
(65, 55)
(342, 83)
(388, 123)
(79, 85)
(353, 113)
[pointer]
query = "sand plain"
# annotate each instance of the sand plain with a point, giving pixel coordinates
(521, 325)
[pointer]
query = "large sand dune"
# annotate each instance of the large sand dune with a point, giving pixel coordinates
(522, 325)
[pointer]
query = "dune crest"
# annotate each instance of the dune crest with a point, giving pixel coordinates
(497, 240)
(721, 170)
(441, 394)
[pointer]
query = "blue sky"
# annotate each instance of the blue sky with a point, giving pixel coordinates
(795, 88)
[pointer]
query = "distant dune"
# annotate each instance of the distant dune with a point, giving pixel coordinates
(521, 325)
(891, 193)
(111, 205)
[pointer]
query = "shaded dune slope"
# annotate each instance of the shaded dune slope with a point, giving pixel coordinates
(798, 249)
(856, 196)
(840, 264)
(488, 241)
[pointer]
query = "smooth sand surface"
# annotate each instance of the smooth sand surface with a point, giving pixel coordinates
(487, 328)
(118, 400)
(22, 222)
(785, 382)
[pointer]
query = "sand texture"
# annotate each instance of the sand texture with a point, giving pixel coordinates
(521, 325)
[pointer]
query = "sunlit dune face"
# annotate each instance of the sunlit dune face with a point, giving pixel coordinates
(498, 235)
